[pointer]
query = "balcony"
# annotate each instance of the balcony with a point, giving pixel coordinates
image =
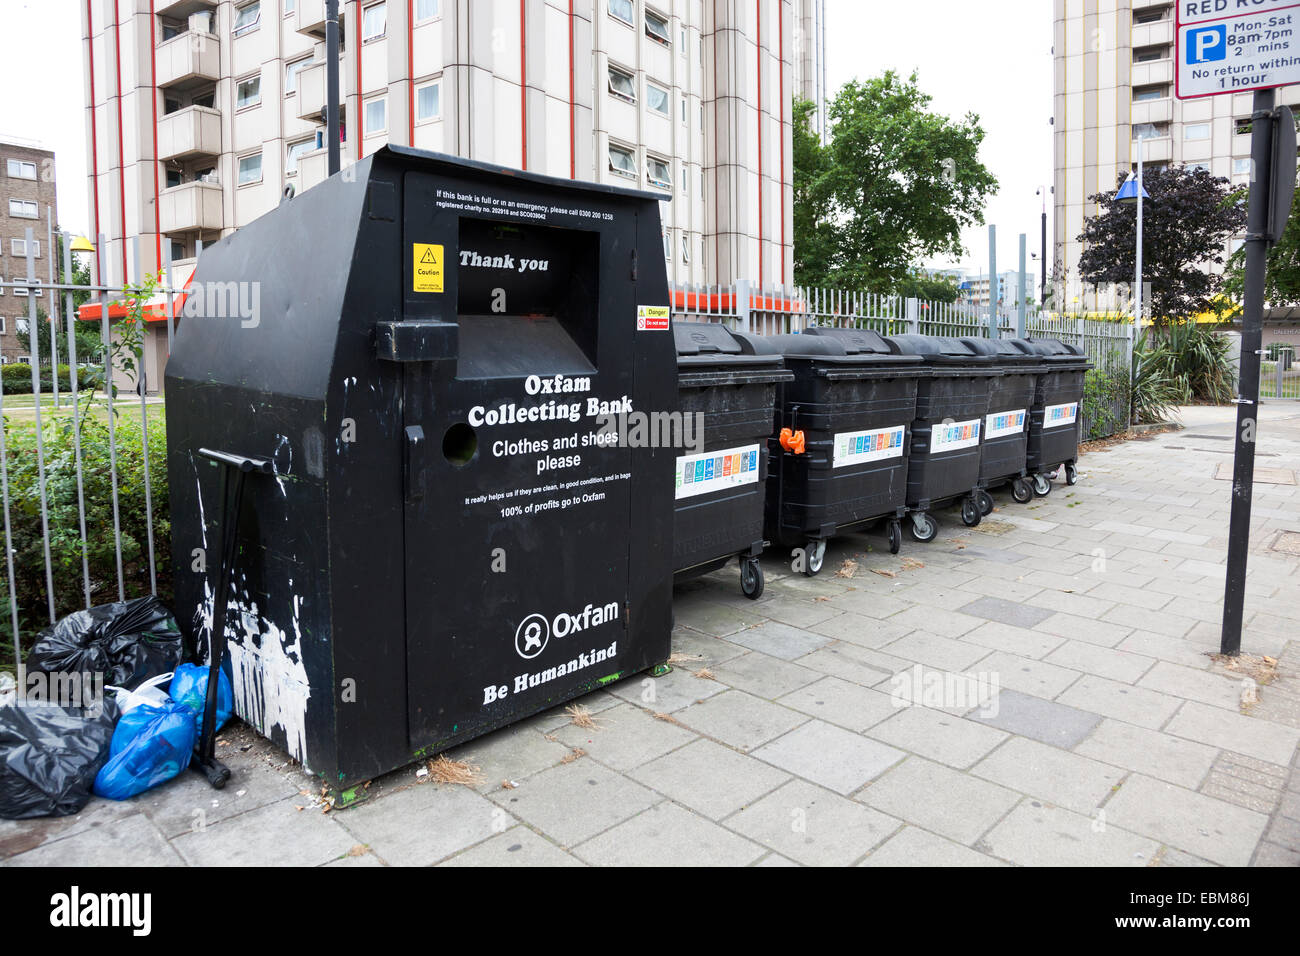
(181, 9)
(1152, 72)
(1159, 149)
(1152, 111)
(188, 60)
(311, 94)
(190, 207)
(193, 131)
(1160, 33)
(310, 17)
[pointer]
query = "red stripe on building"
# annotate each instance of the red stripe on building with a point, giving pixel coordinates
(94, 134)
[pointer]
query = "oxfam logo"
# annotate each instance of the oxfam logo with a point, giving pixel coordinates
(531, 636)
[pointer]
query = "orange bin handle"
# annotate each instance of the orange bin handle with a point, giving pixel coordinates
(792, 441)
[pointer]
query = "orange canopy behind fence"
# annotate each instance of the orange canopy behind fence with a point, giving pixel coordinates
(154, 310)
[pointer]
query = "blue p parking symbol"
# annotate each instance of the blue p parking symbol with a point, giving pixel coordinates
(1207, 44)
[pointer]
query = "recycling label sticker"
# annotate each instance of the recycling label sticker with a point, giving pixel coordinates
(853, 448)
(950, 436)
(428, 271)
(1054, 416)
(1004, 423)
(715, 470)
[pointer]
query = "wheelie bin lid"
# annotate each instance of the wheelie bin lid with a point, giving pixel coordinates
(945, 353)
(1012, 354)
(711, 354)
(841, 353)
(1058, 353)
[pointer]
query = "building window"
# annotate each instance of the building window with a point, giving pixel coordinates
(289, 7)
(291, 71)
(1204, 166)
(247, 18)
(23, 209)
(656, 28)
(1240, 167)
(374, 22)
(18, 247)
(1242, 127)
(668, 246)
(623, 10)
(248, 92)
(1196, 131)
(657, 98)
(376, 116)
(621, 161)
(622, 85)
(178, 251)
(683, 43)
(1149, 93)
(18, 169)
(294, 151)
(685, 180)
(24, 360)
(685, 108)
(250, 169)
(658, 172)
(173, 178)
(21, 326)
(425, 10)
(428, 102)
(686, 249)
(3, 328)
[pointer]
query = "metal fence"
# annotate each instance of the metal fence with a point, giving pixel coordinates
(1279, 373)
(78, 463)
(777, 310)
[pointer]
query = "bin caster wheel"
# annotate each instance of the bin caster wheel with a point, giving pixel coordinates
(1071, 475)
(970, 512)
(1022, 490)
(924, 528)
(985, 501)
(814, 555)
(1042, 486)
(751, 579)
(895, 537)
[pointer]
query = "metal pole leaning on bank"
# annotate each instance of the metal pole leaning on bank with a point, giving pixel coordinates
(1273, 157)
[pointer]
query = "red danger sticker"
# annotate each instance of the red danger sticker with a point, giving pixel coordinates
(652, 318)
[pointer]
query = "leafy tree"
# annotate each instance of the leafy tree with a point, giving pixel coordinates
(814, 233)
(928, 288)
(897, 183)
(1282, 283)
(1186, 224)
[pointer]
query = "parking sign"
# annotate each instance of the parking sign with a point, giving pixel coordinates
(1235, 46)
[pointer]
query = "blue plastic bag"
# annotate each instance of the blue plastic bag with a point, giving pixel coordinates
(190, 687)
(152, 743)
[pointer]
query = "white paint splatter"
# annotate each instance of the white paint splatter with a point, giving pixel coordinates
(283, 442)
(270, 680)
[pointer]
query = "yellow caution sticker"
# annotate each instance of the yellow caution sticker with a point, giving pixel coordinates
(652, 318)
(428, 274)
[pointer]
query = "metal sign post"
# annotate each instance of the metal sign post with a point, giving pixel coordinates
(1224, 47)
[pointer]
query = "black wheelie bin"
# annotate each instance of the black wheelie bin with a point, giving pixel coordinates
(1054, 427)
(1005, 447)
(951, 402)
(727, 394)
(441, 534)
(839, 452)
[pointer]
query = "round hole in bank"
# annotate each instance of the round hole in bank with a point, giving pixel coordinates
(460, 444)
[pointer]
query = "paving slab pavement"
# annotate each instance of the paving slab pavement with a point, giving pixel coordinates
(1038, 691)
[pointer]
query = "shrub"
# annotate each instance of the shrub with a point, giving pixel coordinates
(64, 522)
(1198, 359)
(1106, 401)
(17, 378)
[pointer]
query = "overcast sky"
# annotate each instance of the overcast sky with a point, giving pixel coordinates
(993, 59)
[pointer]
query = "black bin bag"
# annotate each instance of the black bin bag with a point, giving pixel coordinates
(127, 642)
(49, 756)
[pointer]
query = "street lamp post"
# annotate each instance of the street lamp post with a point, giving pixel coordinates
(1133, 192)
